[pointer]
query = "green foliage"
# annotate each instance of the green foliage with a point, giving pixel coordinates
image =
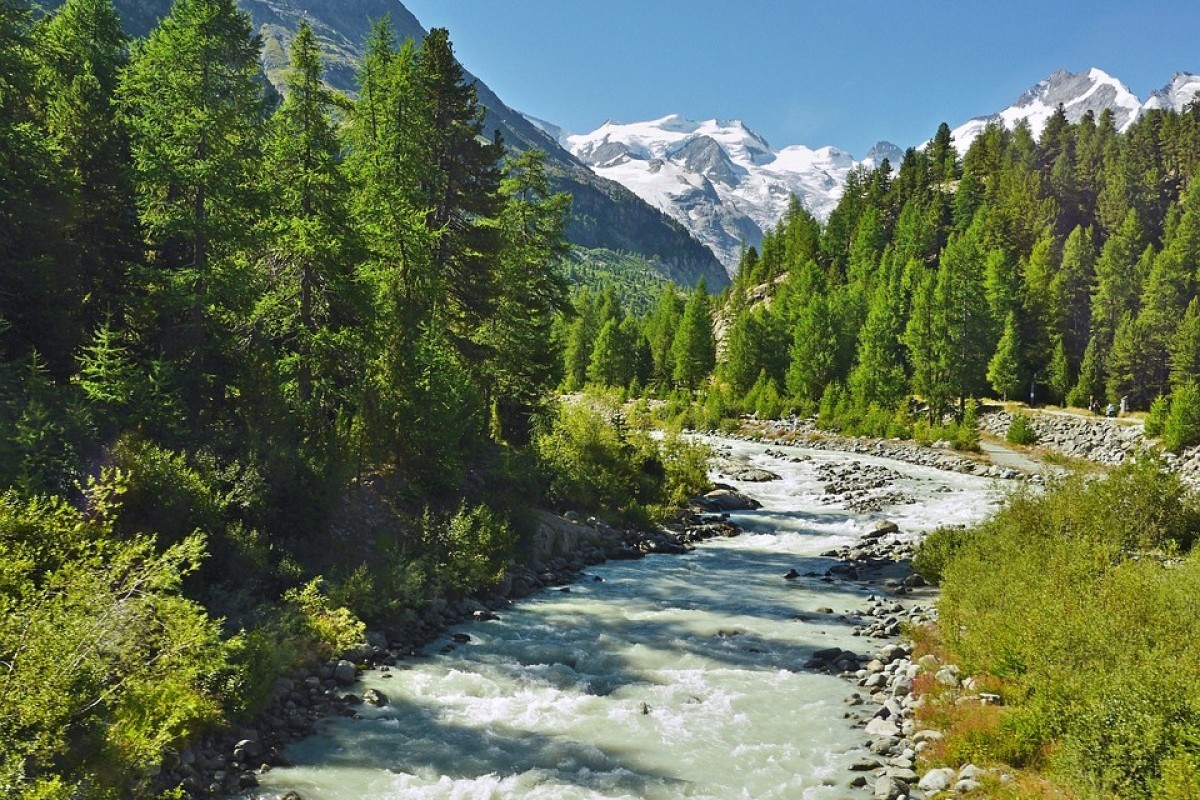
(1070, 598)
(1021, 430)
(1002, 369)
(334, 629)
(1156, 419)
(937, 550)
(592, 460)
(472, 547)
(967, 434)
(108, 665)
(694, 351)
(1182, 426)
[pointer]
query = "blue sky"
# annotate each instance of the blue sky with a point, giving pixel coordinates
(843, 73)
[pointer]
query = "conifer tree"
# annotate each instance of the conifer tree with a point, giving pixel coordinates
(193, 105)
(1071, 289)
(661, 325)
(878, 376)
(1118, 283)
(82, 50)
(523, 364)
(961, 314)
(580, 341)
(1059, 376)
(194, 108)
(813, 354)
(1185, 348)
(459, 186)
(927, 345)
(32, 204)
(1003, 370)
(694, 350)
(309, 308)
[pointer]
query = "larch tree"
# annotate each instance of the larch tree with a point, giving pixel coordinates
(194, 108)
(308, 308)
(694, 349)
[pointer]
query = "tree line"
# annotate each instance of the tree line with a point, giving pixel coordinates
(219, 308)
(1057, 269)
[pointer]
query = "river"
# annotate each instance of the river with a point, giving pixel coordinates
(668, 677)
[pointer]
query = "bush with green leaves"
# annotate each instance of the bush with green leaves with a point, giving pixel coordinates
(1182, 426)
(1156, 418)
(471, 547)
(332, 628)
(1075, 600)
(107, 665)
(591, 460)
(1021, 431)
(967, 432)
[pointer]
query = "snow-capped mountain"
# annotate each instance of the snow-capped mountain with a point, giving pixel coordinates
(1175, 95)
(1078, 93)
(720, 179)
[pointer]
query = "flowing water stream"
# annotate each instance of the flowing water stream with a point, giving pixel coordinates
(669, 677)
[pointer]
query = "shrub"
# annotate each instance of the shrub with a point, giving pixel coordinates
(107, 664)
(334, 629)
(1070, 598)
(1156, 419)
(592, 461)
(1182, 426)
(1021, 431)
(936, 550)
(966, 436)
(471, 546)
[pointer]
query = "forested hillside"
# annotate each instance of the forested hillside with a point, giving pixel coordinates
(1062, 270)
(228, 322)
(604, 215)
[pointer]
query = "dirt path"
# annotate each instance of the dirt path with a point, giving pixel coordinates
(1003, 456)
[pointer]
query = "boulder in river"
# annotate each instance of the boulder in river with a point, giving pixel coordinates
(345, 672)
(752, 474)
(791, 575)
(726, 500)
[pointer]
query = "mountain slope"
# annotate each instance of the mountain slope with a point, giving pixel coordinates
(720, 179)
(605, 215)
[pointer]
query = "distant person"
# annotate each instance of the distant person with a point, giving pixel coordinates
(1110, 411)
(1093, 406)
(1124, 405)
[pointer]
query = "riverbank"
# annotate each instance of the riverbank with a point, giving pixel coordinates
(759, 643)
(229, 762)
(885, 699)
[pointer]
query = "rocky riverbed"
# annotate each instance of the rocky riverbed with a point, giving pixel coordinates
(230, 762)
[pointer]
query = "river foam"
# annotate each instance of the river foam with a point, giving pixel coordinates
(670, 677)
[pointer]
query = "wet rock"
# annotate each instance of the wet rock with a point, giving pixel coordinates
(727, 500)
(753, 475)
(791, 575)
(374, 697)
(345, 673)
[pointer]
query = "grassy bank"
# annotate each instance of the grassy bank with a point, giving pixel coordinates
(1080, 608)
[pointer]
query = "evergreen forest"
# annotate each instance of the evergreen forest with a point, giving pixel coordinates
(276, 367)
(271, 368)
(1058, 270)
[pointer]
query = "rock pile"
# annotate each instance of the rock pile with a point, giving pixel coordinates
(1099, 439)
(861, 487)
(803, 433)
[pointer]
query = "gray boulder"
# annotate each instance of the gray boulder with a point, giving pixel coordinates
(345, 672)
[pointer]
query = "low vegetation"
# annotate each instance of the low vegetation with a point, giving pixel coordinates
(1078, 607)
